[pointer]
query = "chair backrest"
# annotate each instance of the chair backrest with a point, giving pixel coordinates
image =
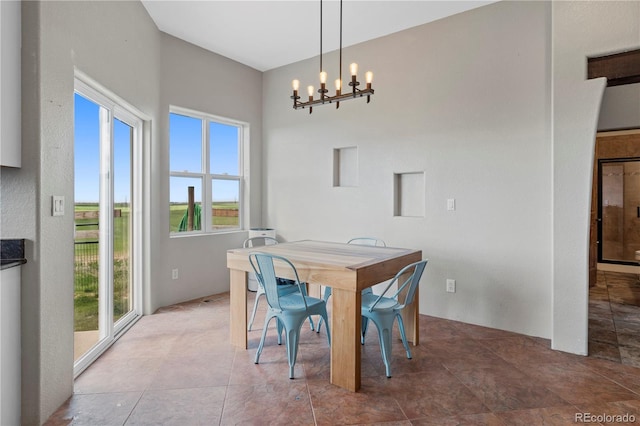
(367, 241)
(407, 287)
(264, 268)
(259, 241)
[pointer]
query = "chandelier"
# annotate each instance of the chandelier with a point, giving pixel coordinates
(324, 98)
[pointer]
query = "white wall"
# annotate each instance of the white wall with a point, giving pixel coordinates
(620, 108)
(194, 78)
(58, 36)
(119, 46)
(467, 100)
(580, 29)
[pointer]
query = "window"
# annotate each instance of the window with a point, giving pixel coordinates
(205, 170)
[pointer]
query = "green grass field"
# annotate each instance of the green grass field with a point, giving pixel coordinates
(86, 274)
(87, 268)
(177, 211)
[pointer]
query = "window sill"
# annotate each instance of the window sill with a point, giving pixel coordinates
(178, 235)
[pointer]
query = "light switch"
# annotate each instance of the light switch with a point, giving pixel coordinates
(57, 205)
(451, 204)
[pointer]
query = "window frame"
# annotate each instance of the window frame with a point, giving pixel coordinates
(207, 177)
(113, 108)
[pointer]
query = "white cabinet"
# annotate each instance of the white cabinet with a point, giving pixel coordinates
(10, 351)
(262, 232)
(10, 83)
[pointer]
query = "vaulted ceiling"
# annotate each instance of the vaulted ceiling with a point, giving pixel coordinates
(267, 34)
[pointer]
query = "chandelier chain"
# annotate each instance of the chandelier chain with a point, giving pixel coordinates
(321, 35)
(340, 70)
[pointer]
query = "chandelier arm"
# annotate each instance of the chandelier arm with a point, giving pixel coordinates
(338, 98)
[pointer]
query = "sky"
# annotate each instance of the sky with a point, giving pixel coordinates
(86, 150)
(185, 155)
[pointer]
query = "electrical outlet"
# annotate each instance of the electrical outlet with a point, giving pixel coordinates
(451, 285)
(174, 274)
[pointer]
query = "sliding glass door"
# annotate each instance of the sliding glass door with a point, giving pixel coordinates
(107, 157)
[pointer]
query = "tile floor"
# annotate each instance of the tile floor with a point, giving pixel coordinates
(176, 367)
(614, 318)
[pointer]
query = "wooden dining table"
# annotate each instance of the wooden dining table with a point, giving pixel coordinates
(348, 269)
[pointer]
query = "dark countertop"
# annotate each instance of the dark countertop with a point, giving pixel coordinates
(11, 253)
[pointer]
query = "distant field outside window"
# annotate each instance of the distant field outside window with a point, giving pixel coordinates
(225, 214)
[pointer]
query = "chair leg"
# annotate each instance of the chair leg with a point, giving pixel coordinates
(327, 294)
(311, 324)
(264, 335)
(384, 324)
(403, 336)
(255, 309)
(325, 297)
(279, 327)
(304, 293)
(384, 335)
(365, 325)
(292, 348)
(324, 316)
(292, 333)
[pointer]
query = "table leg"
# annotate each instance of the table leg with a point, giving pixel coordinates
(411, 320)
(345, 339)
(314, 290)
(238, 308)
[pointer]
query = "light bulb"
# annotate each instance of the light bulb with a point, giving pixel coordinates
(296, 85)
(354, 68)
(338, 84)
(310, 90)
(369, 77)
(323, 77)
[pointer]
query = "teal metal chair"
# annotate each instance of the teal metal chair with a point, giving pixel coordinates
(367, 241)
(363, 241)
(290, 310)
(385, 308)
(285, 286)
(283, 289)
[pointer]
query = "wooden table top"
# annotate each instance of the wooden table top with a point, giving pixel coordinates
(335, 264)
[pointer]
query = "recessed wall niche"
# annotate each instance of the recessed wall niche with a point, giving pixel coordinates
(345, 166)
(408, 189)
